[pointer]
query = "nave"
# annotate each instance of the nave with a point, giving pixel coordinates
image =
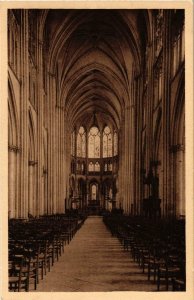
(96, 132)
(95, 261)
(69, 253)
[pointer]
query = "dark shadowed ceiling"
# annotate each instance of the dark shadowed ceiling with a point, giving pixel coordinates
(94, 53)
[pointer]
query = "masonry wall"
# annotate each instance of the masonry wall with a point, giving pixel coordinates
(151, 130)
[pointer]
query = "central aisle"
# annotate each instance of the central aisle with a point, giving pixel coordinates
(95, 261)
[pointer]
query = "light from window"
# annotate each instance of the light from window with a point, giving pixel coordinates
(81, 142)
(94, 191)
(91, 167)
(97, 167)
(94, 143)
(83, 167)
(110, 167)
(107, 142)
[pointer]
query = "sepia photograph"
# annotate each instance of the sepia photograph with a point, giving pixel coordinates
(96, 150)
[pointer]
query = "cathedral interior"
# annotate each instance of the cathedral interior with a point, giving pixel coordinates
(96, 146)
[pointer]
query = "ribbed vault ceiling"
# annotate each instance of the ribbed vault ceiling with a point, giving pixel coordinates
(92, 53)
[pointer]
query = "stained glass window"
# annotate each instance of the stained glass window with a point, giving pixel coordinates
(81, 142)
(91, 167)
(115, 143)
(94, 143)
(110, 166)
(97, 167)
(78, 166)
(107, 142)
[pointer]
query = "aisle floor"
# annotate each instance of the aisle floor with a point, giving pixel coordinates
(94, 261)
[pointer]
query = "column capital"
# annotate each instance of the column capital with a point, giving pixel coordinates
(177, 148)
(32, 163)
(52, 74)
(40, 42)
(132, 106)
(13, 148)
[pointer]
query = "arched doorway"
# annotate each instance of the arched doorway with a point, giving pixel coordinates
(94, 197)
(94, 192)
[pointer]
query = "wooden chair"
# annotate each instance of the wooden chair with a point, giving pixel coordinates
(167, 271)
(17, 281)
(30, 267)
(179, 282)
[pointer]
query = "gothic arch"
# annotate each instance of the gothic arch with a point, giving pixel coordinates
(13, 158)
(13, 124)
(177, 135)
(157, 135)
(32, 138)
(67, 28)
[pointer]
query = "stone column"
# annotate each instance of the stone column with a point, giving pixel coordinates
(45, 178)
(132, 159)
(57, 156)
(127, 162)
(23, 204)
(51, 145)
(18, 180)
(12, 187)
(121, 146)
(30, 187)
(66, 159)
(40, 207)
(181, 173)
(138, 144)
(62, 163)
(178, 182)
(168, 205)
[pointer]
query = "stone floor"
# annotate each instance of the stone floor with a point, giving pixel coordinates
(94, 261)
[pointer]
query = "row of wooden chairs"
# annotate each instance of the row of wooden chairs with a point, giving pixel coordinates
(157, 247)
(35, 245)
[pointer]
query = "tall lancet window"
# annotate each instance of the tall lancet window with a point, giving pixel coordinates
(97, 167)
(81, 142)
(107, 142)
(115, 143)
(94, 143)
(94, 191)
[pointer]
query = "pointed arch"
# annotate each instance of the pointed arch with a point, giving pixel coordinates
(13, 124)
(94, 142)
(107, 142)
(157, 135)
(81, 142)
(32, 139)
(13, 158)
(177, 133)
